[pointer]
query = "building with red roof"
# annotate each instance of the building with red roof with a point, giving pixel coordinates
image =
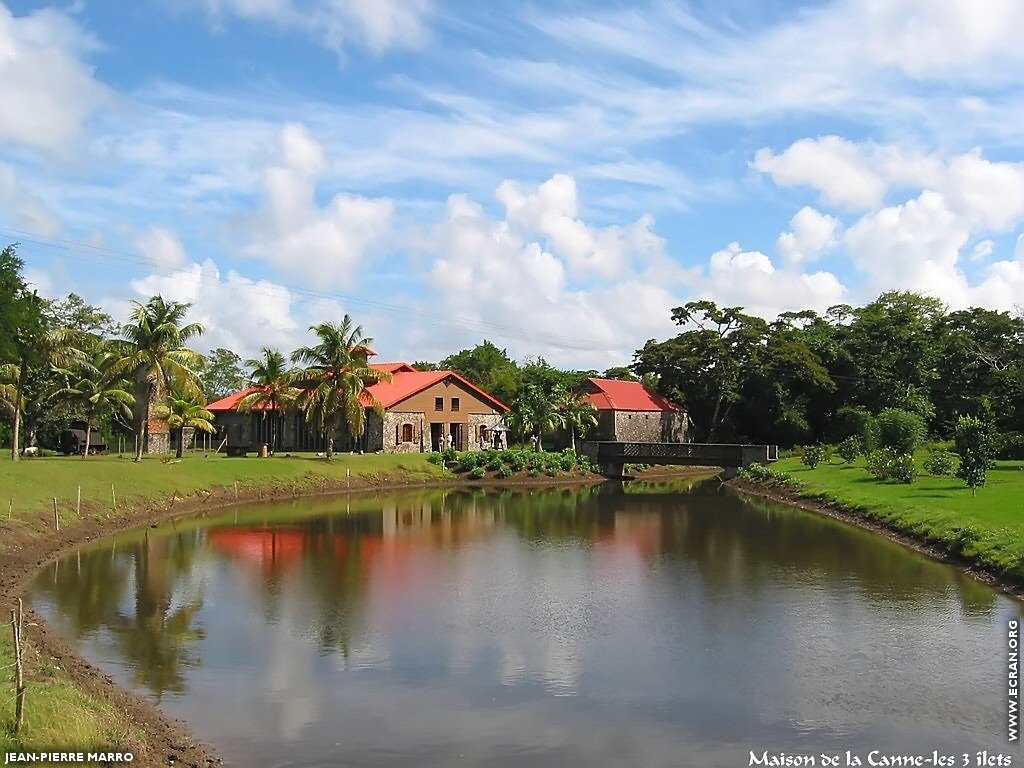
(628, 411)
(422, 411)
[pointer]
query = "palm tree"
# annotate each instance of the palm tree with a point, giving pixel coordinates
(535, 412)
(274, 391)
(152, 352)
(184, 410)
(97, 390)
(334, 378)
(577, 414)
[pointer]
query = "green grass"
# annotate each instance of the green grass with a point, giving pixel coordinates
(29, 486)
(987, 528)
(57, 714)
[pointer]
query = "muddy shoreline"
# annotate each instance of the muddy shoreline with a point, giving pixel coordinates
(784, 495)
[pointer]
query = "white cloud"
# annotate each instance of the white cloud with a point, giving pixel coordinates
(552, 210)
(811, 234)
(25, 210)
(336, 24)
(237, 312)
(987, 195)
(496, 275)
(46, 91)
(326, 244)
(834, 166)
(162, 248)
(929, 40)
(749, 279)
(914, 246)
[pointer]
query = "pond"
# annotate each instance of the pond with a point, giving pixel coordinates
(649, 625)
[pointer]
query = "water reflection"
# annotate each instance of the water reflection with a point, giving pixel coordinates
(604, 625)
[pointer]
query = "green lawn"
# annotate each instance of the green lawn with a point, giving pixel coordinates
(29, 486)
(988, 528)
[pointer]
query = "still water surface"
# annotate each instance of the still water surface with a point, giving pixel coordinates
(669, 625)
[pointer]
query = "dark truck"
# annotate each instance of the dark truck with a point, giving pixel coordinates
(72, 440)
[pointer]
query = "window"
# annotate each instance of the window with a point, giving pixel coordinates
(455, 403)
(438, 403)
(407, 433)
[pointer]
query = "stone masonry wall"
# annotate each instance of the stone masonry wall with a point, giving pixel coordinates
(488, 420)
(650, 427)
(392, 433)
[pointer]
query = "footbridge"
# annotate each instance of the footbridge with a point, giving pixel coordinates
(613, 456)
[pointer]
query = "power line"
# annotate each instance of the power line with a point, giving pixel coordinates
(109, 257)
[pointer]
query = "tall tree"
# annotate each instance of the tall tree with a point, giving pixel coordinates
(892, 344)
(333, 380)
(577, 414)
(222, 373)
(21, 327)
(535, 411)
(488, 367)
(275, 391)
(152, 352)
(704, 366)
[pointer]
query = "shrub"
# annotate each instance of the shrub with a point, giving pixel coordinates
(567, 460)
(759, 473)
(813, 455)
(532, 472)
(449, 455)
(900, 430)
(887, 464)
(879, 462)
(850, 448)
(504, 471)
(973, 443)
(435, 458)
(477, 473)
(516, 460)
(904, 470)
(940, 463)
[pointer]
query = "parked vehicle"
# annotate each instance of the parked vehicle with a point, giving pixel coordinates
(72, 440)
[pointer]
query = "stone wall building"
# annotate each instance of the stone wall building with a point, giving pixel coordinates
(627, 411)
(421, 411)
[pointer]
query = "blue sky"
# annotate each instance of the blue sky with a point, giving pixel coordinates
(553, 176)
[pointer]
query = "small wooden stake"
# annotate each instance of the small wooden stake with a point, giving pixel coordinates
(78, 506)
(10, 509)
(113, 496)
(56, 517)
(236, 489)
(19, 680)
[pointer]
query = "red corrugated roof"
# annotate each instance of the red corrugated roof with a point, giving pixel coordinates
(230, 403)
(393, 367)
(615, 395)
(404, 385)
(405, 382)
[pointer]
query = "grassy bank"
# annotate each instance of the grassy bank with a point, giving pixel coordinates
(65, 707)
(987, 529)
(28, 487)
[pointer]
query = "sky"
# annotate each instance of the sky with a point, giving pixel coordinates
(553, 176)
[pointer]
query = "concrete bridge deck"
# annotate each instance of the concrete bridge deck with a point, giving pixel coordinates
(612, 456)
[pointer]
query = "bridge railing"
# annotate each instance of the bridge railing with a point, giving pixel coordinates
(712, 454)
